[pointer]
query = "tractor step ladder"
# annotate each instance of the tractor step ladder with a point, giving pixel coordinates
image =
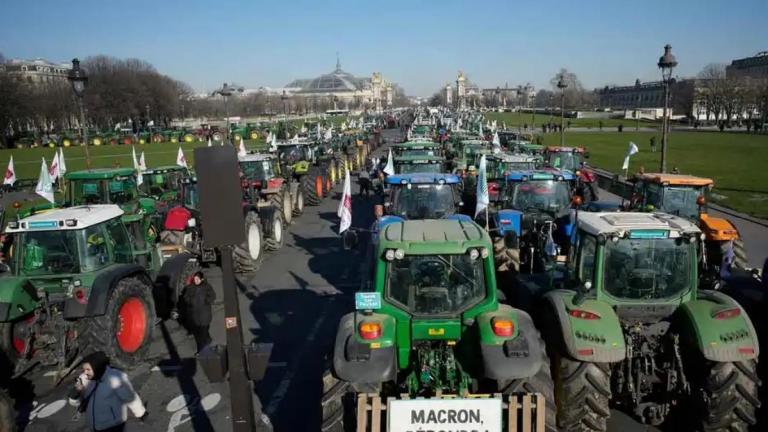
(522, 413)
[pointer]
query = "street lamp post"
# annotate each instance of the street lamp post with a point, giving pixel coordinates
(226, 91)
(79, 82)
(284, 98)
(562, 85)
(666, 63)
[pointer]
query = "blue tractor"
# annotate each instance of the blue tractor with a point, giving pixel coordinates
(534, 221)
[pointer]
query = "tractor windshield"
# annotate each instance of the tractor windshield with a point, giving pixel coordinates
(436, 284)
(423, 201)
(257, 170)
(54, 252)
(293, 153)
(544, 195)
(681, 201)
(119, 190)
(648, 269)
(191, 198)
(156, 184)
(420, 168)
(565, 160)
(497, 168)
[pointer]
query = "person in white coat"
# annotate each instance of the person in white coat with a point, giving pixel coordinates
(105, 395)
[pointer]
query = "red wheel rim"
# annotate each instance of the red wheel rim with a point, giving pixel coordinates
(319, 186)
(328, 184)
(20, 345)
(131, 325)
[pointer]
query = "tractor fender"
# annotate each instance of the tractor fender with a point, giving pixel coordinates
(731, 339)
(718, 229)
(102, 289)
(18, 297)
(515, 358)
(508, 220)
(590, 340)
(360, 362)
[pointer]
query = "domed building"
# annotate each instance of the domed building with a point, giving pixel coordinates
(345, 89)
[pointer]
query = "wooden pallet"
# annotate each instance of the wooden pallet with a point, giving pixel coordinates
(523, 413)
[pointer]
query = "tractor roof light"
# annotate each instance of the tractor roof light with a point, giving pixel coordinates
(441, 182)
(70, 222)
(399, 254)
(13, 224)
(502, 327)
(369, 330)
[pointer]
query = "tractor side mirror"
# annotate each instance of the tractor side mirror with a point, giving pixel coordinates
(349, 240)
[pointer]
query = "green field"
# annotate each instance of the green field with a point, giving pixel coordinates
(517, 119)
(737, 162)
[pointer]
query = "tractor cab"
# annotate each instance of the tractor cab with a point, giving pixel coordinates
(423, 196)
(417, 148)
(295, 158)
(419, 164)
(259, 172)
(499, 165)
(565, 158)
(681, 195)
(163, 183)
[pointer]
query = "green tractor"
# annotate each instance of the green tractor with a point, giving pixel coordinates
(629, 327)
(431, 342)
(262, 183)
(72, 283)
(297, 161)
(163, 183)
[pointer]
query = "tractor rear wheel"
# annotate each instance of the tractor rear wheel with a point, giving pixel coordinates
(298, 207)
(740, 254)
(540, 383)
(124, 332)
(335, 406)
(287, 206)
(16, 339)
(313, 188)
(276, 239)
(506, 259)
(727, 396)
(247, 256)
(582, 393)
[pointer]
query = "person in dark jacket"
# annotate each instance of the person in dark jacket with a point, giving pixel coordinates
(105, 395)
(198, 298)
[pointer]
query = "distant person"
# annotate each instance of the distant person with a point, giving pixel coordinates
(198, 297)
(675, 170)
(364, 181)
(105, 395)
(568, 124)
(641, 171)
(653, 144)
(600, 124)
(620, 127)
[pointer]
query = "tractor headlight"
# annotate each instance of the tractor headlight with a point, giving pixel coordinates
(191, 222)
(484, 252)
(399, 254)
(389, 254)
(473, 254)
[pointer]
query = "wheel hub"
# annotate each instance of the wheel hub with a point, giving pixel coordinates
(131, 325)
(254, 242)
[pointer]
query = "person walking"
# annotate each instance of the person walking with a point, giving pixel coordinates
(198, 297)
(653, 144)
(364, 181)
(105, 395)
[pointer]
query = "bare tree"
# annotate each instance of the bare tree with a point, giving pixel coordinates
(713, 89)
(575, 94)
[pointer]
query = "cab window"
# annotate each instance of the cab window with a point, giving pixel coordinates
(121, 243)
(587, 253)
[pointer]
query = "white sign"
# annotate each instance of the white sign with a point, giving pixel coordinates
(412, 415)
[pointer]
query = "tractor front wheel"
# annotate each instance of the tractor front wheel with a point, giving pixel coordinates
(582, 393)
(298, 207)
(247, 256)
(313, 188)
(287, 206)
(125, 330)
(276, 239)
(335, 407)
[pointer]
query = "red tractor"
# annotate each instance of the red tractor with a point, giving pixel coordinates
(574, 159)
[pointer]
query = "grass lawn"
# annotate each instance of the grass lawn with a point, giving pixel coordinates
(517, 119)
(737, 162)
(27, 161)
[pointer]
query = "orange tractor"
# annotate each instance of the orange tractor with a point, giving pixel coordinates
(687, 196)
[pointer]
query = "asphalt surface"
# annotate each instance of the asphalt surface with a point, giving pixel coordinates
(293, 301)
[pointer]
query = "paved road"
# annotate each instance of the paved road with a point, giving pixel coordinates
(293, 301)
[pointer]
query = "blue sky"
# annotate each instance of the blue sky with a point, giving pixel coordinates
(418, 44)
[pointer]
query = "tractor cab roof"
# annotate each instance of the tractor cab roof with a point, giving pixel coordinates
(428, 237)
(674, 179)
(416, 159)
(558, 149)
(164, 169)
(424, 178)
(645, 225)
(508, 157)
(255, 157)
(100, 174)
(417, 144)
(549, 174)
(71, 218)
(300, 142)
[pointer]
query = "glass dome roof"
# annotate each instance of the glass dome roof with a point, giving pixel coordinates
(336, 81)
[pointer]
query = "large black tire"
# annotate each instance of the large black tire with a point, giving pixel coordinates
(124, 332)
(10, 355)
(582, 394)
(740, 259)
(312, 193)
(505, 259)
(287, 206)
(248, 255)
(540, 383)
(335, 409)
(276, 238)
(298, 205)
(7, 413)
(726, 396)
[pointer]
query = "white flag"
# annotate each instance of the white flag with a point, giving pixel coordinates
(10, 173)
(62, 165)
(390, 168)
(242, 151)
(632, 150)
(273, 143)
(209, 142)
(496, 140)
(44, 186)
(142, 162)
(328, 134)
(483, 199)
(180, 159)
(53, 171)
(345, 206)
(137, 167)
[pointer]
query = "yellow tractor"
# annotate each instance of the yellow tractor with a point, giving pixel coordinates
(687, 196)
